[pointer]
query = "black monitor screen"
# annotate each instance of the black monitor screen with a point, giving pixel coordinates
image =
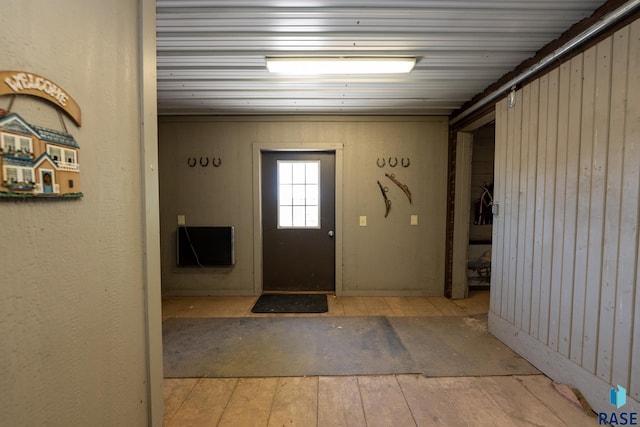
(205, 246)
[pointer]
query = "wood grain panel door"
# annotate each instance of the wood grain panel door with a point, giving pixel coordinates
(298, 221)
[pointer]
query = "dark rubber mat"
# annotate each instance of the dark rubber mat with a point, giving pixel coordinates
(291, 303)
(282, 347)
(299, 346)
(458, 346)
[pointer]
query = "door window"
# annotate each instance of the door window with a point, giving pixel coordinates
(298, 194)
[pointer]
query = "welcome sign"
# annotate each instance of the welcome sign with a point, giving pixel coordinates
(37, 161)
(24, 83)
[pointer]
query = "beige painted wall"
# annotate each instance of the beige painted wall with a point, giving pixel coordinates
(71, 294)
(388, 257)
(565, 273)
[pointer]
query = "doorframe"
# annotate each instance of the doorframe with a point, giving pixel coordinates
(462, 205)
(258, 149)
(151, 279)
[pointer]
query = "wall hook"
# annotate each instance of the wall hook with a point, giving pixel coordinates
(405, 164)
(191, 161)
(204, 163)
(380, 162)
(393, 163)
(213, 162)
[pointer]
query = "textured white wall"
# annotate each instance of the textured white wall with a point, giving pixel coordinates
(71, 293)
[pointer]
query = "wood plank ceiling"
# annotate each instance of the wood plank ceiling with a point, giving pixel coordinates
(211, 53)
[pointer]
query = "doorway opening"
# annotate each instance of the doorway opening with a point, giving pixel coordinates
(473, 208)
(481, 215)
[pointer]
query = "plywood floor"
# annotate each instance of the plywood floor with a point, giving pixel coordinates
(389, 400)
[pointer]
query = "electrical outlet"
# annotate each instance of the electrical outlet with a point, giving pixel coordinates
(363, 221)
(181, 220)
(414, 219)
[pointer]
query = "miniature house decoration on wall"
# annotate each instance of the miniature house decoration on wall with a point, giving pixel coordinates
(36, 161)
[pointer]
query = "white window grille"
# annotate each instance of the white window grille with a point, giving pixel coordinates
(298, 194)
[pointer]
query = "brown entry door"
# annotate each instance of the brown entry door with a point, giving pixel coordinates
(298, 221)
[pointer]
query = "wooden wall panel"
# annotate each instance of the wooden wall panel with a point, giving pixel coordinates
(512, 212)
(530, 219)
(627, 260)
(632, 159)
(536, 283)
(562, 133)
(596, 208)
(525, 102)
(549, 205)
(497, 239)
(570, 202)
(584, 200)
(417, 253)
(612, 206)
(505, 208)
(566, 244)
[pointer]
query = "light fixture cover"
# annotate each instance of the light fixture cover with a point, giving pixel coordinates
(339, 65)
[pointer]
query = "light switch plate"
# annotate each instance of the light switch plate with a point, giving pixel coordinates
(363, 221)
(181, 220)
(414, 219)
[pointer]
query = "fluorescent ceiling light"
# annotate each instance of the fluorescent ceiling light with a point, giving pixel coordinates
(340, 65)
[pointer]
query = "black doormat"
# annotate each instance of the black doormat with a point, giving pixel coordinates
(291, 303)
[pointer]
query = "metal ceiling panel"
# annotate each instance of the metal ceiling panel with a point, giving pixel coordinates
(211, 53)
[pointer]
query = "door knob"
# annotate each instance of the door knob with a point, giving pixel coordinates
(330, 233)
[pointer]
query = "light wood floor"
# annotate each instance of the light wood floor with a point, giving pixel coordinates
(389, 400)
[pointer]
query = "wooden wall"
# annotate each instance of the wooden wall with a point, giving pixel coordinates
(564, 290)
(387, 257)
